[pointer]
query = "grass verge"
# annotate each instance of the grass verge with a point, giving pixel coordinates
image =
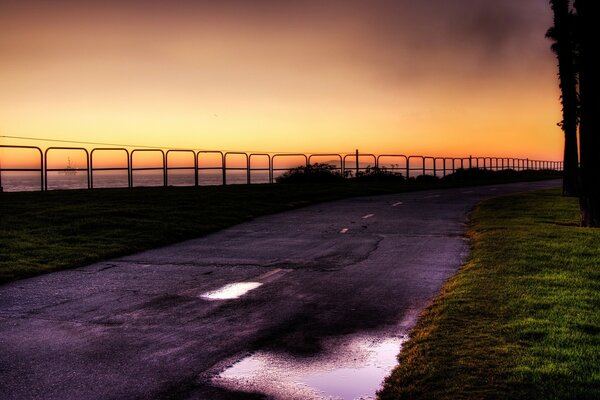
(520, 320)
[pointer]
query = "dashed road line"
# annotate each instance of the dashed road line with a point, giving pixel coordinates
(468, 191)
(269, 274)
(397, 204)
(367, 216)
(432, 196)
(344, 230)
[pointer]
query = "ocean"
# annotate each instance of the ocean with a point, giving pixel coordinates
(30, 181)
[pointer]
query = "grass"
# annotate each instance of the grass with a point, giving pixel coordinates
(520, 320)
(48, 231)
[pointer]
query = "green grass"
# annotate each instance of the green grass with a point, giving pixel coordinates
(521, 319)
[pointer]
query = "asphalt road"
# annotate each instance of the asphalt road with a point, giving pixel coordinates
(137, 327)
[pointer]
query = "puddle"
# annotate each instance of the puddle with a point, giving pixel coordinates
(231, 291)
(353, 368)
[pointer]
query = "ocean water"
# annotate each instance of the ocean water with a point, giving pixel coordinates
(30, 181)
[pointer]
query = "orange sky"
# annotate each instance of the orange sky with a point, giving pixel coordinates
(392, 76)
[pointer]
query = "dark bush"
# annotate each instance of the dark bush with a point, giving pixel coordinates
(379, 174)
(426, 178)
(477, 174)
(315, 173)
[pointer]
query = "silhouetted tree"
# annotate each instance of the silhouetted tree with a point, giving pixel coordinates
(564, 47)
(589, 93)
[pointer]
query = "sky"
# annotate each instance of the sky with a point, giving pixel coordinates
(436, 77)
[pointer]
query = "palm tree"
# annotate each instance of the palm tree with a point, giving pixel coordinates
(564, 48)
(588, 13)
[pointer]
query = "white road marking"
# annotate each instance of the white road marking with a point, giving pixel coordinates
(270, 274)
(344, 230)
(231, 291)
(367, 216)
(397, 204)
(238, 289)
(432, 196)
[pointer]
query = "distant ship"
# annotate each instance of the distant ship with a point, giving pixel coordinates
(69, 169)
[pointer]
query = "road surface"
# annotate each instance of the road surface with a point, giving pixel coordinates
(139, 327)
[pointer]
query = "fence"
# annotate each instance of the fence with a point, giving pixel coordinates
(347, 164)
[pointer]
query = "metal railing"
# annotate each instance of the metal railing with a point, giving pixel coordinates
(347, 164)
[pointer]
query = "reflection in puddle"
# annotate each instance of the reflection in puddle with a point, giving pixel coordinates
(231, 291)
(358, 382)
(355, 369)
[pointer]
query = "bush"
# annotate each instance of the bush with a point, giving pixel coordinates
(311, 173)
(426, 178)
(475, 174)
(379, 174)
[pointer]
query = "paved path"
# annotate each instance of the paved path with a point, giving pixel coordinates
(137, 326)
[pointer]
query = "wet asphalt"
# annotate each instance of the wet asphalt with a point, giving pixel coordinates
(137, 327)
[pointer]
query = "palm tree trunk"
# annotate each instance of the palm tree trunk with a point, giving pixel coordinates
(562, 33)
(589, 132)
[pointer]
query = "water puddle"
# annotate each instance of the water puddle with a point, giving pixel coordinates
(353, 368)
(231, 291)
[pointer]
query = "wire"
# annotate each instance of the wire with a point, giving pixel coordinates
(146, 147)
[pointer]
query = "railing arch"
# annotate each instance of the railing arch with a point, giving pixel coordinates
(268, 169)
(338, 156)
(225, 168)
(358, 156)
(132, 168)
(194, 167)
(221, 168)
(92, 169)
(86, 169)
(40, 169)
(422, 168)
(405, 168)
(281, 155)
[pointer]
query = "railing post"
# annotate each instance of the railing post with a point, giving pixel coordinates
(195, 170)
(164, 170)
(129, 172)
(356, 163)
(247, 170)
(470, 162)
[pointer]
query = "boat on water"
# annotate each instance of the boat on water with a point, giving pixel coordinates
(69, 169)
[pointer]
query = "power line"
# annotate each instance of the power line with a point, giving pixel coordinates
(145, 146)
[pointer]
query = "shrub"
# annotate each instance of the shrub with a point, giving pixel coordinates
(379, 174)
(426, 178)
(311, 173)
